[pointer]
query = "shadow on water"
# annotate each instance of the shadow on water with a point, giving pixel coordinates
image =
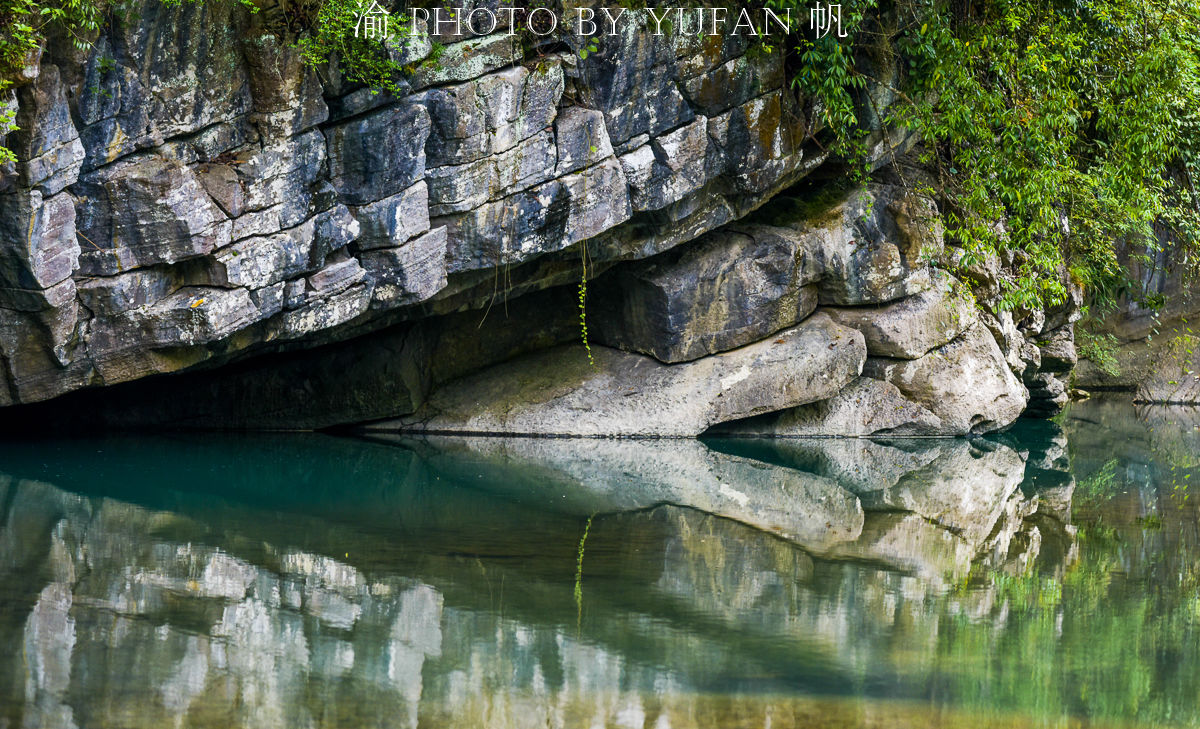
(1044, 575)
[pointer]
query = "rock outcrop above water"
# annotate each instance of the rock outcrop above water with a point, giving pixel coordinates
(309, 253)
(559, 392)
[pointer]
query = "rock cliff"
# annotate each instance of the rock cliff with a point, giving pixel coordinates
(296, 251)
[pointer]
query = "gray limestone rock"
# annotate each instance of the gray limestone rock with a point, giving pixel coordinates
(378, 155)
(965, 383)
(865, 407)
(321, 313)
(726, 290)
(869, 256)
(912, 326)
(410, 273)
(38, 246)
(581, 139)
(734, 83)
(333, 230)
(142, 211)
(261, 261)
(190, 316)
(671, 166)
(174, 71)
(491, 114)
(105, 295)
(557, 392)
(456, 188)
(221, 200)
(543, 219)
(1012, 343)
(49, 153)
(631, 80)
(335, 278)
(1058, 350)
(223, 185)
(278, 181)
(393, 220)
(761, 142)
(870, 245)
(285, 93)
(468, 59)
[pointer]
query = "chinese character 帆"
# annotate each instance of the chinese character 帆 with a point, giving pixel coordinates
(372, 23)
(821, 19)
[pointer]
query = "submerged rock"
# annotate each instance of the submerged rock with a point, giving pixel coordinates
(557, 392)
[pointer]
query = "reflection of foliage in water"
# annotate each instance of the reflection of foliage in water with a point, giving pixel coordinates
(1103, 641)
(1099, 484)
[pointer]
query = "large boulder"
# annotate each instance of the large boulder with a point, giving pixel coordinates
(965, 383)
(730, 288)
(872, 245)
(557, 392)
(864, 407)
(911, 327)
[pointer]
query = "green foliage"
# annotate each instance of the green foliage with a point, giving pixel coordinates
(583, 282)
(1055, 130)
(8, 115)
(366, 60)
(23, 28)
(1100, 349)
(826, 72)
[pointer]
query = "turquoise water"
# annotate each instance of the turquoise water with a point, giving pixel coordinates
(1043, 577)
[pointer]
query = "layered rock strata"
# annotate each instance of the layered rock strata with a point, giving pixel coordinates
(316, 254)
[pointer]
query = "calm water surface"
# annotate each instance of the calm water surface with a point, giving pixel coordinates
(1045, 577)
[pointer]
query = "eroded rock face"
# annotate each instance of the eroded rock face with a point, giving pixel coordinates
(911, 327)
(965, 383)
(874, 245)
(194, 195)
(866, 406)
(189, 194)
(728, 289)
(558, 392)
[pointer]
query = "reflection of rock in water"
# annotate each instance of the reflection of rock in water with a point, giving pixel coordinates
(590, 476)
(936, 506)
(129, 615)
